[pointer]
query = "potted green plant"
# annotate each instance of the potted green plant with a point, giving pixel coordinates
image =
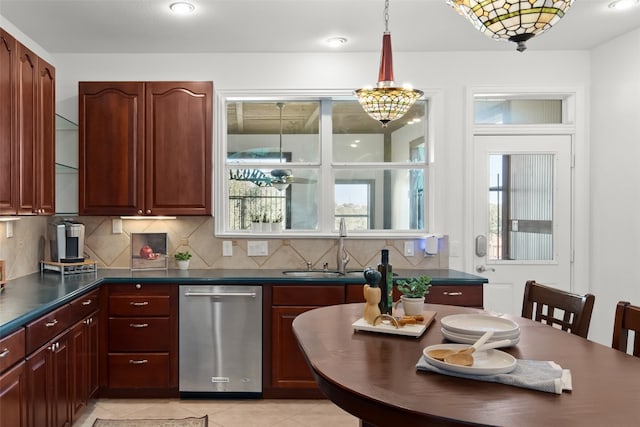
(413, 292)
(183, 259)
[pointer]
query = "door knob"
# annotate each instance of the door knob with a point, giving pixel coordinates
(482, 269)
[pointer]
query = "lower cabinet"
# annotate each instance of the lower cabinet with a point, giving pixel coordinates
(461, 295)
(13, 380)
(48, 384)
(141, 357)
(84, 363)
(290, 374)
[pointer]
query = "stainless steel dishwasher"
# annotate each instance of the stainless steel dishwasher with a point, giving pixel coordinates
(220, 341)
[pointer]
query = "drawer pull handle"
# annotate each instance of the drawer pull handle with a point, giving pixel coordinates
(138, 325)
(54, 322)
(138, 362)
(139, 304)
(4, 352)
(87, 302)
(452, 294)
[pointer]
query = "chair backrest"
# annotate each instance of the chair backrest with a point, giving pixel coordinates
(627, 319)
(541, 303)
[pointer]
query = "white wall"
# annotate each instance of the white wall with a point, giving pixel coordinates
(448, 74)
(615, 179)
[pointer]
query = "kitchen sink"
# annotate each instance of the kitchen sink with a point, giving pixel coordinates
(312, 273)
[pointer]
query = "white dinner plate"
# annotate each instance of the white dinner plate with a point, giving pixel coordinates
(470, 339)
(489, 362)
(477, 324)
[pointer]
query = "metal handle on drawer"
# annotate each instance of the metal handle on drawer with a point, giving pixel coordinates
(452, 294)
(54, 322)
(4, 352)
(139, 304)
(138, 362)
(138, 325)
(220, 294)
(87, 302)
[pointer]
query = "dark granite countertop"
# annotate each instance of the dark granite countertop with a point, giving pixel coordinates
(26, 298)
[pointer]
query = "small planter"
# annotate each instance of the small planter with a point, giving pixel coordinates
(276, 227)
(412, 306)
(183, 265)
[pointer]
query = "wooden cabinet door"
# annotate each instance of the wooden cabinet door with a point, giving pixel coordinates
(8, 141)
(93, 339)
(178, 148)
(13, 397)
(111, 175)
(79, 369)
(61, 383)
(288, 366)
(27, 101)
(48, 384)
(83, 344)
(46, 152)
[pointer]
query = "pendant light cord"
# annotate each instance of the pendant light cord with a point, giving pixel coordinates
(386, 16)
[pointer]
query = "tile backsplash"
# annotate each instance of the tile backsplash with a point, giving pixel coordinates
(24, 251)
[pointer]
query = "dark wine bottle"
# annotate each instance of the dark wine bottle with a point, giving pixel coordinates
(386, 284)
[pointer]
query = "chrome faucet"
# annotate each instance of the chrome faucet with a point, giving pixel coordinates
(342, 256)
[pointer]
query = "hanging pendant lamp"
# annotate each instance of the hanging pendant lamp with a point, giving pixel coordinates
(387, 102)
(513, 20)
(281, 177)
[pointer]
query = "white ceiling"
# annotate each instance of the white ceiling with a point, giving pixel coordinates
(146, 26)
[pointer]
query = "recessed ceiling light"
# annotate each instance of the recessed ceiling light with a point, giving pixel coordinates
(182, 8)
(623, 4)
(336, 41)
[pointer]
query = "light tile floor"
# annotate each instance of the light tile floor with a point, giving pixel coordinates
(224, 413)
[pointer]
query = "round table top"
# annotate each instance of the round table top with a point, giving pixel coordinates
(374, 377)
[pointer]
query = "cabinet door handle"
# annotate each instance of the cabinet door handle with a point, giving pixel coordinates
(54, 322)
(452, 294)
(138, 325)
(138, 362)
(4, 352)
(87, 302)
(139, 304)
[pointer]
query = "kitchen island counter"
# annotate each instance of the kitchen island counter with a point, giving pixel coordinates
(29, 297)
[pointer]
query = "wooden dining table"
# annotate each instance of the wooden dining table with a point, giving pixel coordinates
(373, 376)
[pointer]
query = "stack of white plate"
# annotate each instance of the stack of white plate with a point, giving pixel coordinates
(467, 328)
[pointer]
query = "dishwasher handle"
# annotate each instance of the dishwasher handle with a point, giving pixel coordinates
(220, 294)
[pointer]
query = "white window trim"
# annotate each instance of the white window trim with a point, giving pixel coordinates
(220, 195)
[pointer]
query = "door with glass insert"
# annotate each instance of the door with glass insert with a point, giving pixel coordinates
(521, 215)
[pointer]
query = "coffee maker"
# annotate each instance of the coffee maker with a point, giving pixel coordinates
(67, 241)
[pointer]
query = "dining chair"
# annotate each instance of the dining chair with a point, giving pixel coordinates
(555, 307)
(627, 319)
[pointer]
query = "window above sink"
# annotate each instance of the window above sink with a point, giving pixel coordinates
(294, 164)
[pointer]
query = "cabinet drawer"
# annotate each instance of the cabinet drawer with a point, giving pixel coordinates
(45, 328)
(139, 370)
(139, 305)
(139, 334)
(11, 349)
(468, 296)
(308, 295)
(83, 306)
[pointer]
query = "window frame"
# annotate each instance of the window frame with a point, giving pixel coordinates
(326, 166)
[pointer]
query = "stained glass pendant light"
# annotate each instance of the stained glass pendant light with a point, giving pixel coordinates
(387, 102)
(513, 20)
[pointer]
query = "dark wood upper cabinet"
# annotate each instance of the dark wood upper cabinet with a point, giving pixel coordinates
(145, 148)
(27, 139)
(8, 134)
(45, 189)
(27, 128)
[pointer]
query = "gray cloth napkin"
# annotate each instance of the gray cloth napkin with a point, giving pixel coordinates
(538, 375)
